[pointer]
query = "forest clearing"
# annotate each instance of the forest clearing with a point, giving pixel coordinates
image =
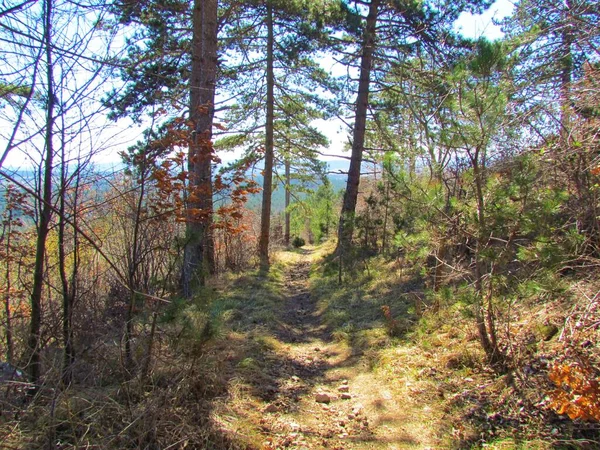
(303, 224)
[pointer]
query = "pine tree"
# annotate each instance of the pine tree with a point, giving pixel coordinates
(271, 46)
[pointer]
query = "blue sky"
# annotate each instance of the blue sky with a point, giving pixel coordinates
(469, 25)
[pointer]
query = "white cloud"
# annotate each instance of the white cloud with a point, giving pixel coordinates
(475, 26)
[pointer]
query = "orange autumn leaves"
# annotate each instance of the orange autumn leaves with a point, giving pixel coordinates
(174, 191)
(577, 392)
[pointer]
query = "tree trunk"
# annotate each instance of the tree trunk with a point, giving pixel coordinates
(10, 351)
(385, 215)
(150, 347)
(34, 365)
(69, 286)
(483, 311)
(134, 260)
(288, 186)
(199, 249)
(346, 226)
(566, 71)
(265, 217)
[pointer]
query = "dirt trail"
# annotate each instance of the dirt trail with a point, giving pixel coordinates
(299, 320)
(328, 397)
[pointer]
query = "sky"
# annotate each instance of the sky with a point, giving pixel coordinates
(469, 25)
(472, 26)
(475, 26)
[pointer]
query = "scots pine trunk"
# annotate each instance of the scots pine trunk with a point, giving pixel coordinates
(34, 364)
(566, 71)
(265, 218)
(288, 187)
(346, 225)
(484, 314)
(199, 248)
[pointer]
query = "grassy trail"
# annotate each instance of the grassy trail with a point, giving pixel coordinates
(300, 385)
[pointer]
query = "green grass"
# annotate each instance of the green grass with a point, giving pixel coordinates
(352, 310)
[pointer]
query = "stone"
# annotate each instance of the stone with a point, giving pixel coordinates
(344, 388)
(270, 408)
(345, 396)
(321, 397)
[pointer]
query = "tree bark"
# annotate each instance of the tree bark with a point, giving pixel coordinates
(69, 284)
(265, 218)
(10, 351)
(288, 187)
(385, 215)
(199, 249)
(346, 225)
(133, 264)
(483, 311)
(566, 71)
(34, 364)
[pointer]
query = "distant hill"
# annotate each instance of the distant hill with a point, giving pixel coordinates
(338, 165)
(338, 182)
(336, 173)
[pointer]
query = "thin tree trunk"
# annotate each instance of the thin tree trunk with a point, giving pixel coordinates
(566, 72)
(68, 286)
(385, 216)
(288, 186)
(490, 317)
(34, 364)
(132, 272)
(483, 312)
(150, 348)
(10, 351)
(199, 248)
(265, 217)
(439, 265)
(346, 226)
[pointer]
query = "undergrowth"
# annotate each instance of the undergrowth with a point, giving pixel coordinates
(217, 362)
(203, 348)
(546, 399)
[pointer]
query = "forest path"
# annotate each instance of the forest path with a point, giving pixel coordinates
(317, 392)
